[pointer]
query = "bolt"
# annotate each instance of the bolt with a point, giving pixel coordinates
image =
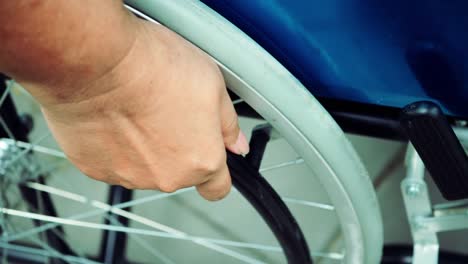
(413, 190)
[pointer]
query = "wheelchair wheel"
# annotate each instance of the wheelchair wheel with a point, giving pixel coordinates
(295, 120)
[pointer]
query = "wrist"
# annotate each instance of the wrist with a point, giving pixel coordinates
(126, 86)
(74, 70)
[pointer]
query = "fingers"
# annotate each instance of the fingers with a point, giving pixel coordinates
(234, 138)
(219, 183)
(217, 187)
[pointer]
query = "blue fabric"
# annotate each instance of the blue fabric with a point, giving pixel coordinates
(386, 52)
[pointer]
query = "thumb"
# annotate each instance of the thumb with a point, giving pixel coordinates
(234, 139)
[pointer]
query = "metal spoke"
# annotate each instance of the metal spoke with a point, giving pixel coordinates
(46, 227)
(156, 225)
(40, 208)
(92, 213)
(143, 220)
(37, 148)
(2, 100)
(282, 165)
(6, 128)
(211, 243)
(60, 235)
(82, 199)
(143, 243)
(135, 202)
(56, 191)
(5, 234)
(238, 101)
(45, 253)
(105, 207)
(207, 242)
(43, 245)
(6, 92)
(147, 232)
(308, 203)
(331, 255)
(141, 14)
(152, 198)
(46, 247)
(26, 150)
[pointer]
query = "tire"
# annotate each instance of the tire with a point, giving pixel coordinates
(280, 98)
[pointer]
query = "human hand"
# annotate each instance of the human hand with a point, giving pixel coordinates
(162, 121)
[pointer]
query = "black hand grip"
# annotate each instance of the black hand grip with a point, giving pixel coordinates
(433, 138)
(271, 207)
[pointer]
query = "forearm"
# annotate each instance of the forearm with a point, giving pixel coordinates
(58, 46)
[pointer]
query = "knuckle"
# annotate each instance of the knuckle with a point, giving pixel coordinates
(222, 192)
(215, 194)
(209, 164)
(168, 187)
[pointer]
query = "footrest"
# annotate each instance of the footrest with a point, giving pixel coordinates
(433, 138)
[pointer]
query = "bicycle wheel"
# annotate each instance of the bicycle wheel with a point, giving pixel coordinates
(271, 91)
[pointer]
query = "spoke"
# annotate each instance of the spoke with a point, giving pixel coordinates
(156, 225)
(4, 237)
(37, 148)
(26, 150)
(143, 243)
(147, 221)
(331, 255)
(146, 232)
(238, 101)
(105, 207)
(56, 232)
(170, 232)
(40, 208)
(282, 165)
(56, 191)
(6, 92)
(211, 243)
(45, 253)
(143, 15)
(53, 252)
(137, 218)
(6, 128)
(38, 242)
(2, 100)
(46, 227)
(92, 213)
(308, 203)
(82, 199)
(207, 242)
(152, 198)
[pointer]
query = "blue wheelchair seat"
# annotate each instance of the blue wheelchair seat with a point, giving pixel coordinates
(386, 53)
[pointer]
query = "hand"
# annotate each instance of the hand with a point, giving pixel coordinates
(163, 122)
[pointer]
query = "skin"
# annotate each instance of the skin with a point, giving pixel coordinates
(130, 103)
